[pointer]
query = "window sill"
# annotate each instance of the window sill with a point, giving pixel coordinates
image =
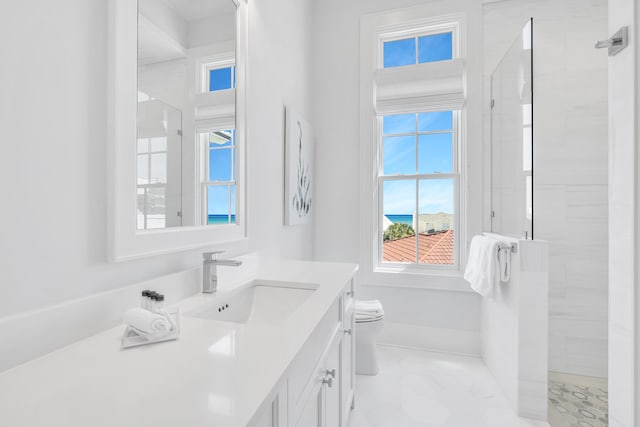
(444, 280)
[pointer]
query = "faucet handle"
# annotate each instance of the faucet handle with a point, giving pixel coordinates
(213, 255)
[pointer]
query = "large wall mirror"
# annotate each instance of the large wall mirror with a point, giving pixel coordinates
(177, 109)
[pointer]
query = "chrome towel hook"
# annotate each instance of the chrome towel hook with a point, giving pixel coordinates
(616, 43)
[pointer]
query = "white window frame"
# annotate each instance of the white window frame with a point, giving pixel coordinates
(205, 183)
(404, 31)
(376, 29)
(417, 177)
(213, 62)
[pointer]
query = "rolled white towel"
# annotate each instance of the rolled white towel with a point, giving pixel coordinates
(147, 322)
(372, 307)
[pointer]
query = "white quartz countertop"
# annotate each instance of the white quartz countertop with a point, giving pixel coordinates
(216, 374)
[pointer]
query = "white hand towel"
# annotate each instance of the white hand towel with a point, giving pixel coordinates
(147, 322)
(482, 266)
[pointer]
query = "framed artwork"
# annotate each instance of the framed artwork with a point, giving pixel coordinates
(298, 176)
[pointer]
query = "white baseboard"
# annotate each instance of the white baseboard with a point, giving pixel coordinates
(442, 340)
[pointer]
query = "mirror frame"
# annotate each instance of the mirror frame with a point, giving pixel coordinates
(125, 241)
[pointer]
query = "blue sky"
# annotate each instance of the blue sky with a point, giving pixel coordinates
(220, 160)
(434, 152)
(407, 148)
(437, 47)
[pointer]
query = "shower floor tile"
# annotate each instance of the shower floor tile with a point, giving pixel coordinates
(578, 401)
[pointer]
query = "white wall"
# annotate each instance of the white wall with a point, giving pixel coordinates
(624, 194)
(53, 163)
(435, 319)
(570, 165)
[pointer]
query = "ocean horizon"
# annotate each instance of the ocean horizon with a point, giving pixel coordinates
(401, 219)
(220, 219)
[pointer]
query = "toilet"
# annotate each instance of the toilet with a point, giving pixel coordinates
(369, 316)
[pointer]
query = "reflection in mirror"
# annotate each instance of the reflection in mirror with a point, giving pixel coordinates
(512, 140)
(186, 146)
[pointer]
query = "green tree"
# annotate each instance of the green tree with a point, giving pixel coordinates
(398, 231)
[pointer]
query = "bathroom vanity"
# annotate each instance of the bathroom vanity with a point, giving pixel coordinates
(280, 353)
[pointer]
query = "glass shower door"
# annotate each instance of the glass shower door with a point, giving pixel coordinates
(512, 139)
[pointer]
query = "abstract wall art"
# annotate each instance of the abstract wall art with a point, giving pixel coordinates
(298, 188)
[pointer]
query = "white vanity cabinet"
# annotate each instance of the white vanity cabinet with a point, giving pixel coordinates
(318, 388)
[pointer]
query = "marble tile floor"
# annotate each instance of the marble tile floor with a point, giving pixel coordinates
(418, 388)
(578, 401)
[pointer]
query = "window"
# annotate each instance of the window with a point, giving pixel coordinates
(219, 178)
(418, 181)
(417, 223)
(218, 76)
(418, 50)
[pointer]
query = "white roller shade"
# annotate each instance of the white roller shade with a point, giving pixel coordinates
(423, 87)
(216, 105)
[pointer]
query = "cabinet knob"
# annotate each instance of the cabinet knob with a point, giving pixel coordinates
(331, 372)
(350, 293)
(328, 381)
(347, 331)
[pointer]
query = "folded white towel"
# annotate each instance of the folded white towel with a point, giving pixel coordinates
(372, 307)
(482, 269)
(147, 322)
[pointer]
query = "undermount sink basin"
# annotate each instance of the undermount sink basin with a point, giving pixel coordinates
(256, 302)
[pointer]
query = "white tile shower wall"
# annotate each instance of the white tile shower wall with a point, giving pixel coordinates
(515, 330)
(570, 166)
(53, 168)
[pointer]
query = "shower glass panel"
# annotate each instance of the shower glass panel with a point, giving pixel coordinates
(512, 139)
(158, 164)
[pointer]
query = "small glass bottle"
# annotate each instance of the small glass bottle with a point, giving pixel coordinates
(144, 299)
(152, 301)
(159, 303)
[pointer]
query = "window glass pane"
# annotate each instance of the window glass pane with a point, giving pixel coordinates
(219, 79)
(399, 52)
(436, 220)
(399, 155)
(220, 164)
(402, 123)
(434, 48)
(158, 173)
(399, 205)
(221, 138)
(218, 204)
(143, 145)
(143, 169)
(232, 189)
(435, 153)
(159, 144)
(140, 208)
(437, 120)
(156, 207)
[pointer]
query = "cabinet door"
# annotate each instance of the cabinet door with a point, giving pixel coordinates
(273, 414)
(332, 384)
(312, 412)
(347, 368)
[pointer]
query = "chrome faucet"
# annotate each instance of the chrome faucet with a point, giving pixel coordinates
(210, 262)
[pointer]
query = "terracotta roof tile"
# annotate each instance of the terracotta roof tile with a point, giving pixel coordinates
(436, 248)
